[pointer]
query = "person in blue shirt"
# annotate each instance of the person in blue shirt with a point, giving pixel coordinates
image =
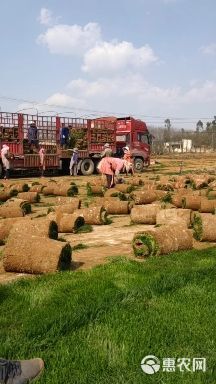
(74, 162)
(33, 134)
(64, 135)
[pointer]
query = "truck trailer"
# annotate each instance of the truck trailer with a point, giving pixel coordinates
(88, 135)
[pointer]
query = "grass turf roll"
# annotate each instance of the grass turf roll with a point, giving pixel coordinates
(204, 226)
(191, 202)
(5, 195)
(20, 187)
(207, 206)
(70, 223)
(211, 194)
(74, 201)
(162, 240)
(136, 181)
(40, 227)
(5, 228)
(65, 190)
(144, 197)
(97, 190)
(67, 208)
(124, 188)
(15, 208)
(172, 215)
(36, 255)
(48, 189)
(31, 197)
(94, 215)
(144, 214)
(117, 207)
(36, 188)
(113, 192)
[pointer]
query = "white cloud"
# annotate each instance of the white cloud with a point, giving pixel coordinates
(108, 57)
(45, 17)
(70, 39)
(209, 49)
(63, 100)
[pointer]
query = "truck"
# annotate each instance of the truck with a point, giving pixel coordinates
(88, 135)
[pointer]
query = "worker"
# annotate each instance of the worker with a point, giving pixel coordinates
(64, 136)
(21, 371)
(6, 157)
(74, 162)
(128, 161)
(106, 151)
(110, 167)
(42, 153)
(33, 135)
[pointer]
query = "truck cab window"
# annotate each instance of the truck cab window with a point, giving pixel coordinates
(142, 137)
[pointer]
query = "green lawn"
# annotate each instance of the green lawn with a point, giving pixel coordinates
(95, 327)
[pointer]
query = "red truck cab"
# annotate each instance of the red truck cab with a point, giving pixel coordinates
(134, 133)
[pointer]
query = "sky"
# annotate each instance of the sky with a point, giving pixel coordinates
(151, 59)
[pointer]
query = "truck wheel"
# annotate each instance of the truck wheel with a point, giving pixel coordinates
(138, 165)
(87, 167)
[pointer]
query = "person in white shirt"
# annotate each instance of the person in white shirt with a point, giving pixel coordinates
(5, 160)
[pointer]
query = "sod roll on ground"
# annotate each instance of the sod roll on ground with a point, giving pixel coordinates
(94, 215)
(15, 208)
(36, 255)
(40, 227)
(162, 240)
(204, 226)
(70, 223)
(144, 214)
(172, 215)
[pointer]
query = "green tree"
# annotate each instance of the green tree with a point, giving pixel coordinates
(199, 126)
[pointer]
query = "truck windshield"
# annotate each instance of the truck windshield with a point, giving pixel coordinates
(125, 138)
(143, 138)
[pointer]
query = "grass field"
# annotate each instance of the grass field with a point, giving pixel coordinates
(96, 326)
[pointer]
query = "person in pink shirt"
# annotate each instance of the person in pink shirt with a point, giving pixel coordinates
(110, 167)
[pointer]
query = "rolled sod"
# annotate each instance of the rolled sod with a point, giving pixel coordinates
(136, 181)
(48, 190)
(68, 208)
(144, 214)
(113, 192)
(116, 207)
(124, 188)
(207, 206)
(5, 195)
(40, 227)
(97, 190)
(211, 194)
(94, 215)
(144, 197)
(191, 202)
(15, 208)
(20, 187)
(36, 255)
(65, 190)
(177, 200)
(6, 226)
(36, 188)
(31, 197)
(172, 215)
(162, 240)
(204, 226)
(66, 200)
(69, 223)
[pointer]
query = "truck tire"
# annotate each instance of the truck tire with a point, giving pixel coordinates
(138, 165)
(87, 167)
